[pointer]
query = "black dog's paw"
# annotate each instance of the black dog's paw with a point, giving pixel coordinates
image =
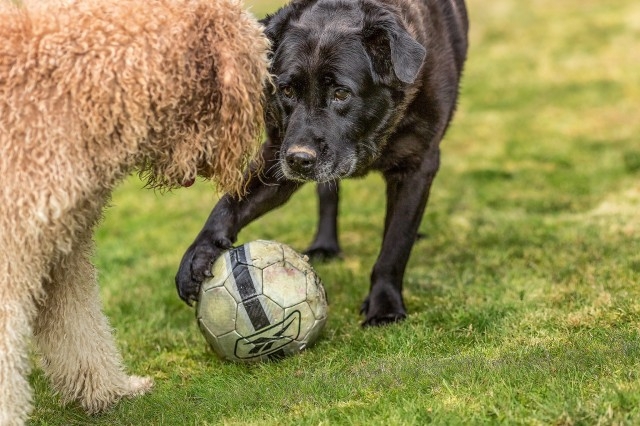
(323, 254)
(384, 320)
(383, 306)
(196, 267)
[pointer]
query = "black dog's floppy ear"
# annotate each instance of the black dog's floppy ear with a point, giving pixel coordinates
(384, 38)
(275, 24)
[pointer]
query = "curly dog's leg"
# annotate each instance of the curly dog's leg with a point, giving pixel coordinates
(79, 351)
(16, 314)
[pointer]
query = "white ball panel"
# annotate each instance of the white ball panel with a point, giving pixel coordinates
(262, 253)
(307, 319)
(314, 331)
(227, 344)
(220, 271)
(209, 337)
(296, 259)
(286, 285)
(316, 296)
(217, 310)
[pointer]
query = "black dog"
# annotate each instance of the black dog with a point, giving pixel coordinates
(360, 85)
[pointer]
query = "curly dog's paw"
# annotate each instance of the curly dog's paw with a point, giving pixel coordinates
(103, 398)
(139, 385)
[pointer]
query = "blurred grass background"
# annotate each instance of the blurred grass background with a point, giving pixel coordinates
(523, 297)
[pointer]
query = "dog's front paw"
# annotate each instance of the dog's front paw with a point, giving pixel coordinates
(139, 385)
(196, 267)
(97, 399)
(384, 305)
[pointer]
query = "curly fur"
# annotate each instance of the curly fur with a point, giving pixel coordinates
(90, 91)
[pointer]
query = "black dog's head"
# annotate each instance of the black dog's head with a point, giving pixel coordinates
(343, 69)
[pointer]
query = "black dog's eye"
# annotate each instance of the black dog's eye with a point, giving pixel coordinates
(288, 91)
(341, 94)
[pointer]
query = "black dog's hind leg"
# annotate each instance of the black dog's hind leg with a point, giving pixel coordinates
(325, 244)
(407, 195)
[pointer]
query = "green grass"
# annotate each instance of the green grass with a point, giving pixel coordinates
(523, 298)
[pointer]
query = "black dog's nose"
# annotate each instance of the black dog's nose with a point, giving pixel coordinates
(301, 159)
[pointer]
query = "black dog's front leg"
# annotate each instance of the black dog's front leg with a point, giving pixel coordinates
(407, 196)
(264, 193)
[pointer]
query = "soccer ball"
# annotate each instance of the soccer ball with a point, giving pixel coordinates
(263, 301)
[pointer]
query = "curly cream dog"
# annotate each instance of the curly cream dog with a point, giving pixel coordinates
(90, 91)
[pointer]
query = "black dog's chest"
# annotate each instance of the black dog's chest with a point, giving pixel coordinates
(402, 153)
